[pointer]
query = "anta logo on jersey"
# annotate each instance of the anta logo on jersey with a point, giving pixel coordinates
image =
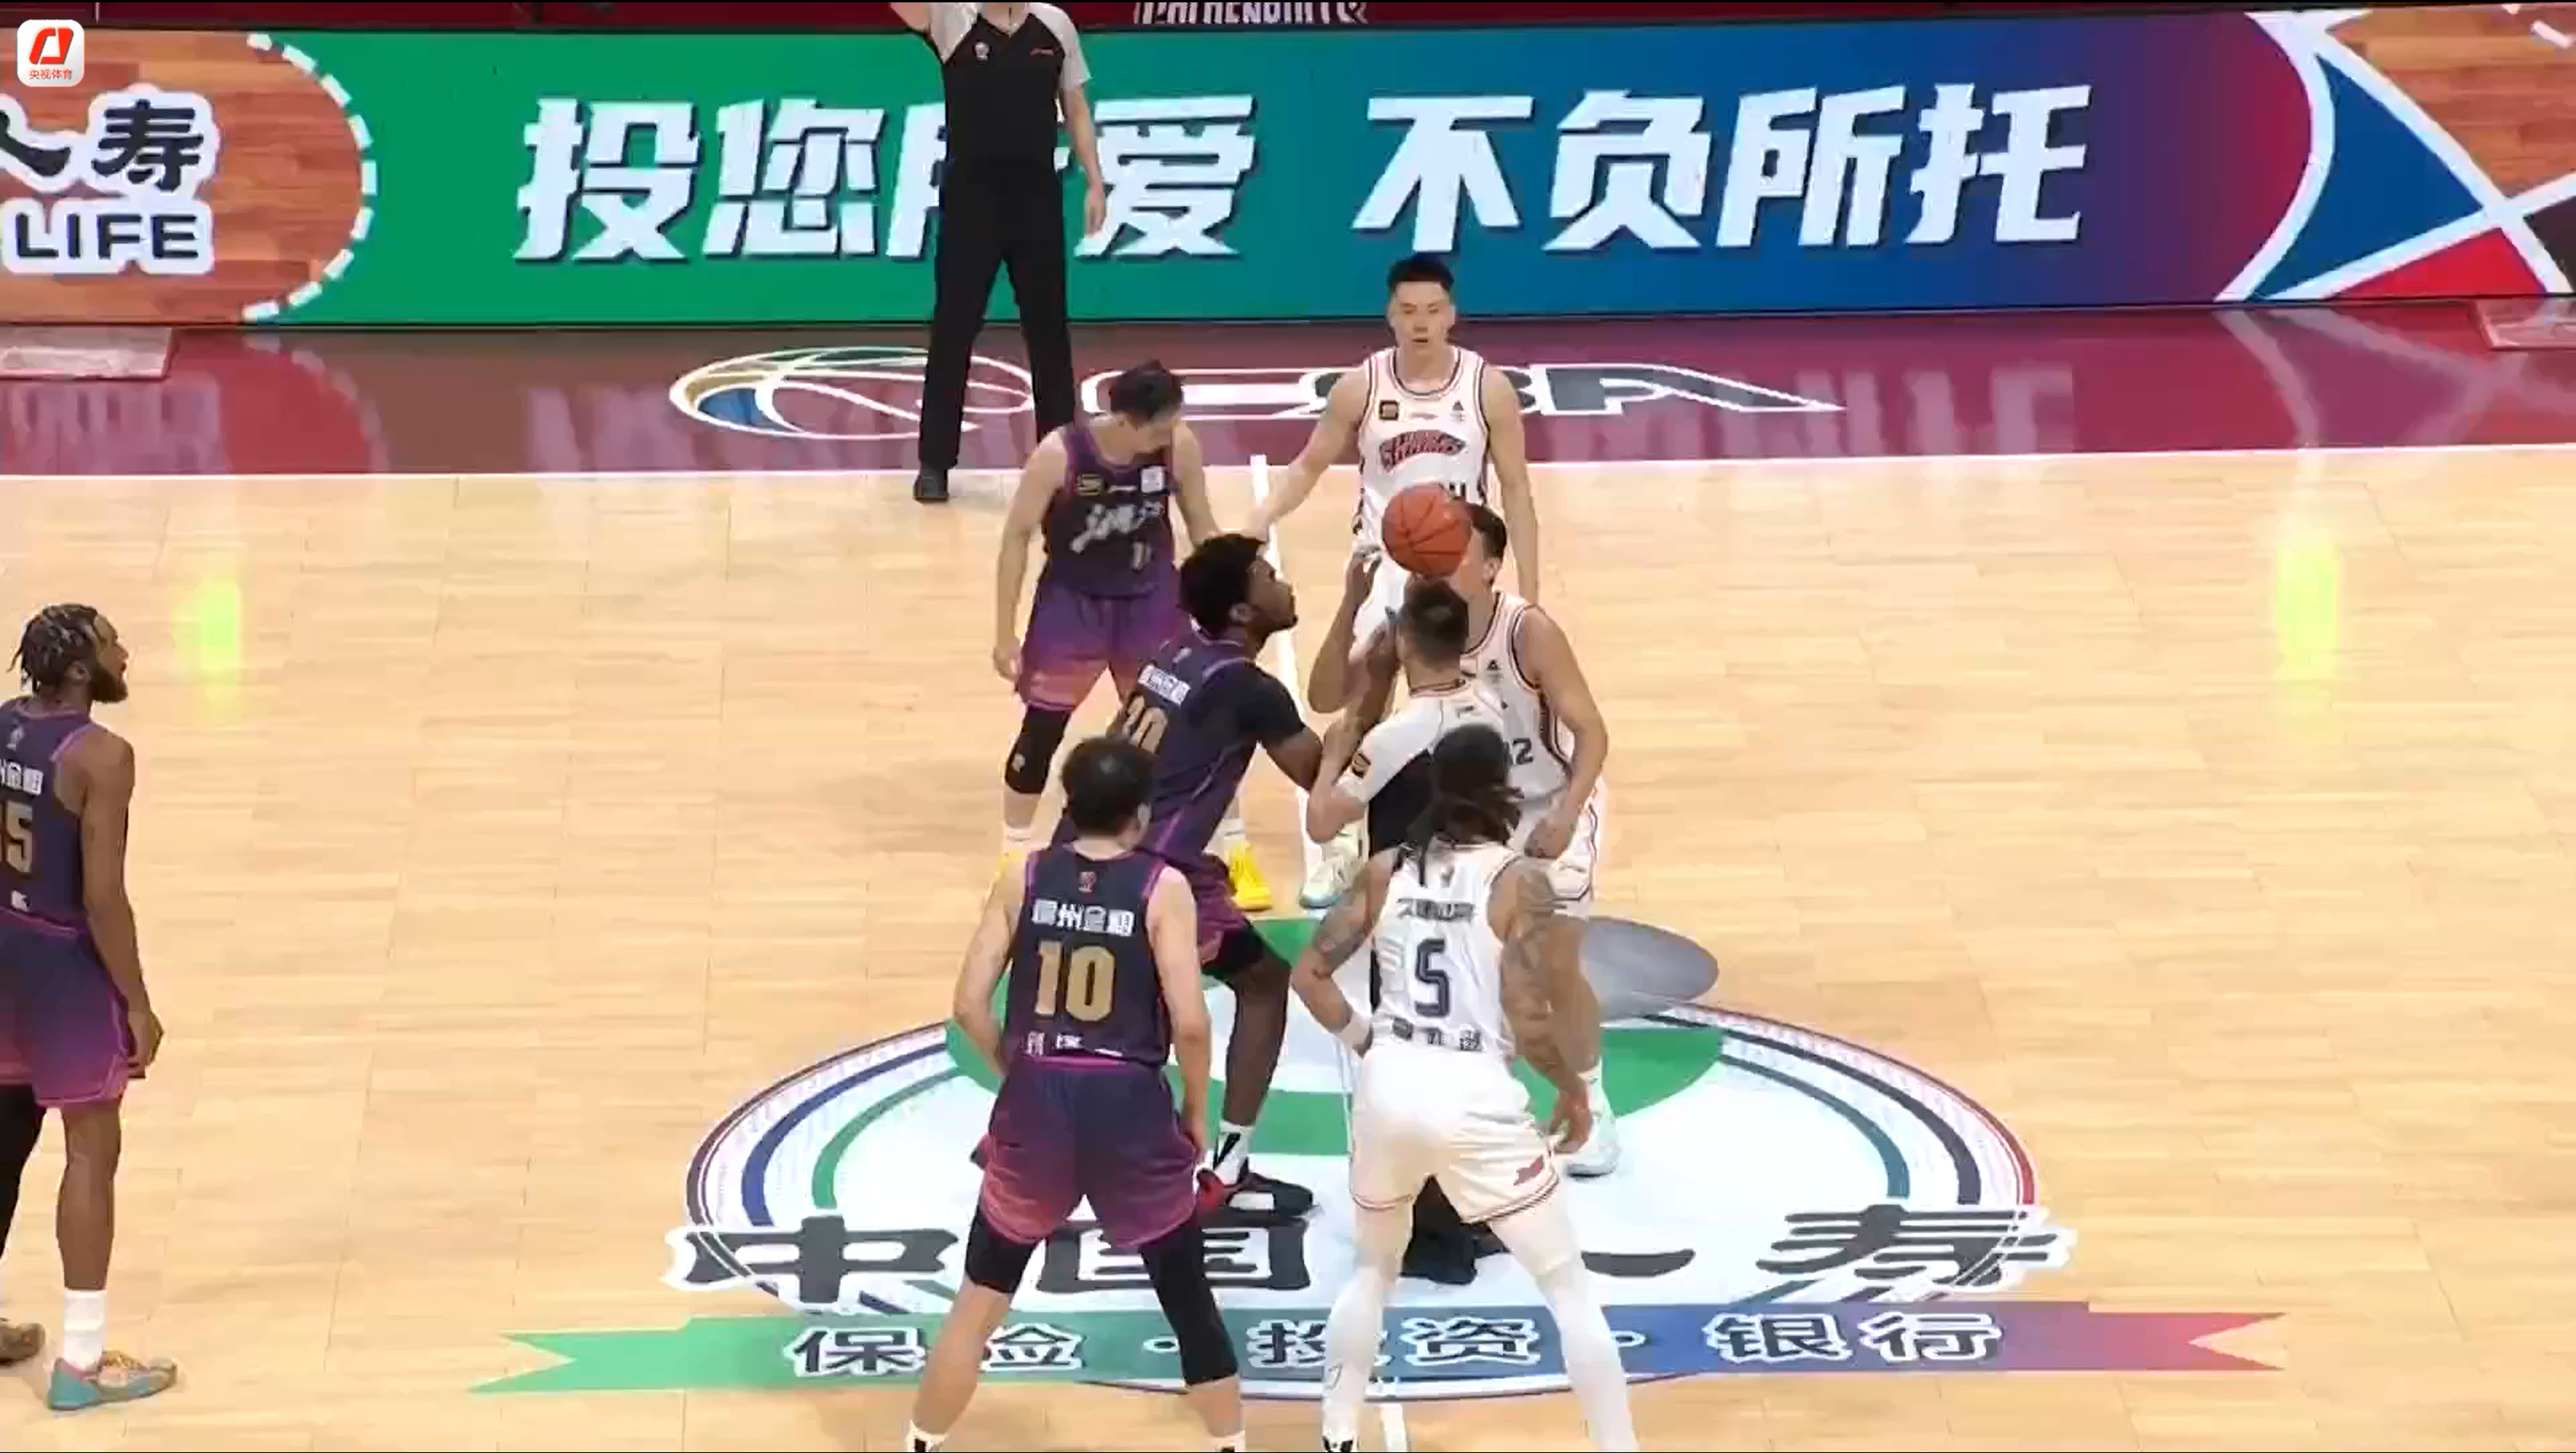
(1415, 443)
(1764, 1167)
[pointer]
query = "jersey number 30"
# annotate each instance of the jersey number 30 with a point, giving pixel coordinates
(1085, 991)
(1431, 981)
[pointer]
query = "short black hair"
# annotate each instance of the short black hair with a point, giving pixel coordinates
(1421, 267)
(56, 639)
(1218, 577)
(1147, 391)
(1435, 621)
(1498, 536)
(1107, 781)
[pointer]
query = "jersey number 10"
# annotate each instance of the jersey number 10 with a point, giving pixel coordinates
(1085, 991)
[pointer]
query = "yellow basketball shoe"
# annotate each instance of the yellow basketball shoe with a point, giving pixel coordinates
(1251, 890)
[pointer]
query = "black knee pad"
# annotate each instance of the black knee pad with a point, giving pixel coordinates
(994, 1261)
(1177, 1262)
(1033, 751)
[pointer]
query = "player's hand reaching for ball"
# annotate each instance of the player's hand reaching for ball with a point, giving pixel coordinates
(1361, 573)
(145, 1028)
(1570, 1123)
(1550, 835)
(1006, 657)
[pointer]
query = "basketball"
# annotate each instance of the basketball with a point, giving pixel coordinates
(1426, 530)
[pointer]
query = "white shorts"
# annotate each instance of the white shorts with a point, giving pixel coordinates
(1420, 1114)
(1571, 872)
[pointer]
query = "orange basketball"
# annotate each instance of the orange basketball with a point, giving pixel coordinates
(1426, 530)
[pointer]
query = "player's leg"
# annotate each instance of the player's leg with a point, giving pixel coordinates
(1396, 1142)
(1062, 657)
(994, 1265)
(1571, 874)
(1501, 1172)
(1177, 1264)
(969, 254)
(79, 1052)
(1033, 250)
(1358, 1319)
(22, 1121)
(1237, 957)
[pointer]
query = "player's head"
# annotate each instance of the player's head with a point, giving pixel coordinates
(71, 652)
(1486, 541)
(1421, 301)
(1108, 783)
(1431, 632)
(1471, 791)
(1147, 400)
(1229, 588)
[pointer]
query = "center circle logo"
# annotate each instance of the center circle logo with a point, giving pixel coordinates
(843, 391)
(1763, 1165)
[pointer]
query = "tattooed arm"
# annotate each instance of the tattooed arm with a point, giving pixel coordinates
(1539, 964)
(1344, 932)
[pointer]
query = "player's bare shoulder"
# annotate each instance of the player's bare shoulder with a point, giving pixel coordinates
(97, 763)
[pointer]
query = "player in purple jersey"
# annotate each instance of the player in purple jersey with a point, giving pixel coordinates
(75, 1020)
(1100, 491)
(1201, 706)
(1100, 940)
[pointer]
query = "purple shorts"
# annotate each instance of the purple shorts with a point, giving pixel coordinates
(1073, 637)
(62, 1022)
(1068, 1130)
(1212, 888)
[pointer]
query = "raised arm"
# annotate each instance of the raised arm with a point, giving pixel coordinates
(1040, 478)
(988, 954)
(1508, 446)
(1538, 957)
(1172, 926)
(1324, 448)
(1342, 933)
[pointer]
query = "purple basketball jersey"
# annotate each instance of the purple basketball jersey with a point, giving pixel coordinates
(1109, 527)
(1083, 979)
(1185, 713)
(40, 838)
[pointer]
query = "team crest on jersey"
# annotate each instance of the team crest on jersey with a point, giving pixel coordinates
(1415, 443)
(1389, 411)
(1087, 881)
(1089, 484)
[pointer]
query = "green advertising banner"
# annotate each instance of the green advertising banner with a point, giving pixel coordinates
(532, 178)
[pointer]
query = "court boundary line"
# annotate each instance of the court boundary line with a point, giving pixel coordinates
(1785, 461)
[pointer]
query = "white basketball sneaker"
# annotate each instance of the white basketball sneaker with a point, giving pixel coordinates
(1599, 1153)
(1336, 868)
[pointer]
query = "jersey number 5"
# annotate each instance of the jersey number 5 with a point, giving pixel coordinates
(1085, 991)
(1428, 974)
(20, 847)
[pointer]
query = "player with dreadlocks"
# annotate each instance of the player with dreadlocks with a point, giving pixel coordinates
(75, 1020)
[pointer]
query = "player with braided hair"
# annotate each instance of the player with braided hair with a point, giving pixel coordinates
(76, 1022)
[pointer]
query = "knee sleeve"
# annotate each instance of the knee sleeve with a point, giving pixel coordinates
(1178, 1265)
(1033, 751)
(994, 1261)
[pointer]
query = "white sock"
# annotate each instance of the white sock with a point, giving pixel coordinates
(1591, 1357)
(1231, 1442)
(1233, 1150)
(84, 1328)
(1019, 839)
(1350, 1350)
(913, 1437)
(1599, 1097)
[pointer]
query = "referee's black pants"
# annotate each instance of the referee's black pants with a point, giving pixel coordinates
(994, 215)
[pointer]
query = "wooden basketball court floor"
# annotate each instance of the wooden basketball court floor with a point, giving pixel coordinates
(2206, 817)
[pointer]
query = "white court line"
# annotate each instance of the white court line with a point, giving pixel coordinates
(1390, 1413)
(1810, 461)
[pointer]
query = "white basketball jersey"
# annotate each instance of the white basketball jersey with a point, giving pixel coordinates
(1408, 437)
(1439, 963)
(1542, 745)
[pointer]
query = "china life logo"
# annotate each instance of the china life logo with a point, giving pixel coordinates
(52, 53)
(120, 193)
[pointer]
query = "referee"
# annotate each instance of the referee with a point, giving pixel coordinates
(1002, 69)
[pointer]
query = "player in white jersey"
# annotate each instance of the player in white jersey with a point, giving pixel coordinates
(1486, 971)
(1423, 411)
(1384, 776)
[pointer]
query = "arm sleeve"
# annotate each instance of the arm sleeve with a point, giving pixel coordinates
(1386, 750)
